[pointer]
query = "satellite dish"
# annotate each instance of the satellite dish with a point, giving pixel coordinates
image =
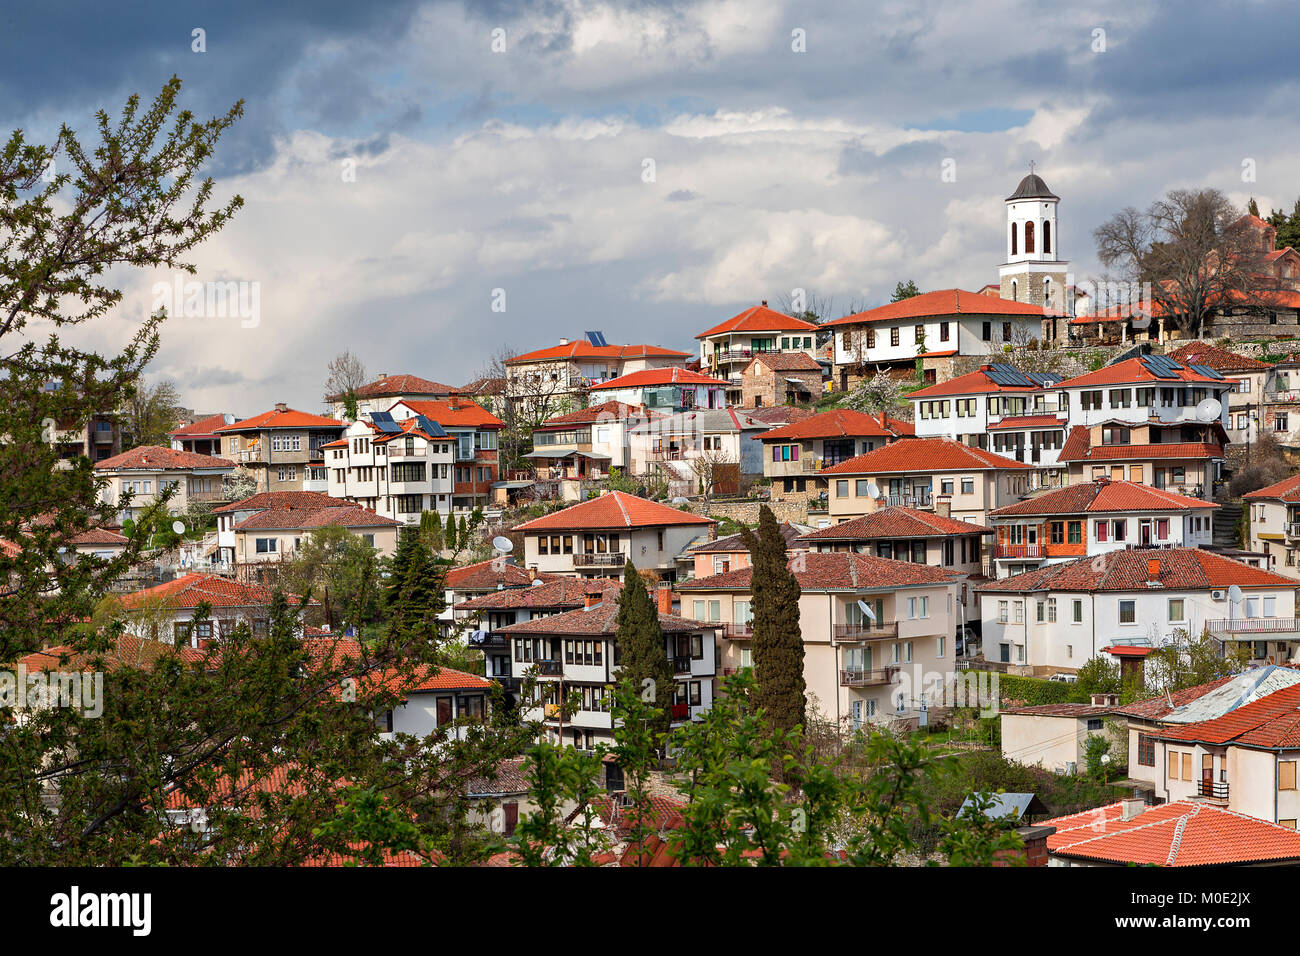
(178, 527)
(679, 500)
(1234, 594)
(873, 490)
(503, 544)
(1209, 410)
(538, 583)
(867, 610)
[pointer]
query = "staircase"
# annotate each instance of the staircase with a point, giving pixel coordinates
(1226, 523)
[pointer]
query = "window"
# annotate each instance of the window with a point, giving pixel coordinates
(1015, 245)
(841, 488)
(986, 331)
(968, 486)
(893, 336)
(1176, 610)
(871, 338)
(1051, 610)
(266, 545)
(945, 486)
(860, 487)
(1002, 612)
(1128, 612)
(1047, 239)
(1146, 750)
(1286, 775)
(1006, 331)
(1020, 612)
(1078, 611)
(1029, 237)
(918, 334)
(1076, 532)
(943, 331)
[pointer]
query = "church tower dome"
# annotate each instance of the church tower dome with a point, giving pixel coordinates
(1032, 270)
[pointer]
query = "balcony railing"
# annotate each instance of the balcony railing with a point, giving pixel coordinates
(1254, 625)
(866, 678)
(866, 631)
(681, 665)
(550, 668)
(1214, 789)
(1019, 551)
(591, 559)
(487, 639)
(1293, 529)
(920, 499)
(738, 631)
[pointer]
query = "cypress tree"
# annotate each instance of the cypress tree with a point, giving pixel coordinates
(408, 542)
(643, 654)
(778, 642)
(421, 597)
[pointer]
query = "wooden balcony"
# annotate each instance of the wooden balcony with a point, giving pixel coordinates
(594, 560)
(1215, 790)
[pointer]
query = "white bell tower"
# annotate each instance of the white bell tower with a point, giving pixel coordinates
(1032, 270)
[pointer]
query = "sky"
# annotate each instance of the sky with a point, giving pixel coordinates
(646, 169)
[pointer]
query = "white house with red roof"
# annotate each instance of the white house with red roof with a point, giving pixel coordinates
(540, 380)
(474, 432)
(1246, 378)
(794, 455)
(166, 611)
(281, 448)
(932, 327)
(664, 390)
(576, 652)
(1096, 517)
(1059, 616)
(136, 479)
(597, 537)
(937, 474)
(713, 447)
(728, 347)
(1273, 513)
(381, 394)
(399, 471)
(274, 535)
(200, 436)
(574, 449)
(859, 667)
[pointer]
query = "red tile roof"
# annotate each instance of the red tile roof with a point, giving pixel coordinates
(1221, 360)
(1102, 495)
(1180, 569)
(779, 414)
(454, 414)
(972, 383)
(100, 536)
(158, 458)
(188, 590)
(300, 519)
(399, 385)
(203, 428)
(1076, 448)
(650, 377)
(837, 571)
(489, 575)
(581, 348)
(599, 619)
(786, 362)
(895, 523)
(1156, 708)
(1134, 372)
(613, 511)
(923, 455)
(1288, 489)
(1028, 421)
(1181, 833)
(840, 423)
(605, 411)
(127, 651)
(941, 302)
(759, 319)
(266, 500)
(1271, 722)
(566, 592)
(289, 418)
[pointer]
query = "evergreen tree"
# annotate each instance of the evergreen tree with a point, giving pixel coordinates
(643, 655)
(415, 615)
(778, 642)
(904, 290)
(408, 542)
(1252, 207)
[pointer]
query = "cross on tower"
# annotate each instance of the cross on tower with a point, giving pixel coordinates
(1031, 167)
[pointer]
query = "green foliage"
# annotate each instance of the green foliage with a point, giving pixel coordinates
(1098, 675)
(1030, 691)
(1095, 748)
(778, 641)
(366, 822)
(341, 571)
(904, 290)
(644, 666)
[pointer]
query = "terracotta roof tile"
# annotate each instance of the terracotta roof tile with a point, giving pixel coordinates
(1027, 421)
(650, 377)
(489, 575)
(581, 349)
(300, 519)
(605, 411)
(1181, 833)
(1102, 495)
(841, 423)
(1077, 448)
(454, 414)
(786, 362)
(599, 619)
(612, 511)
(188, 590)
(972, 383)
(941, 302)
(156, 457)
(289, 418)
(265, 500)
(759, 318)
(1288, 489)
(838, 571)
(201, 428)
(1134, 371)
(1180, 569)
(1221, 360)
(924, 455)
(895, 523)
(565, 592)
(399, 385)
(1272, 721)
(127, 651)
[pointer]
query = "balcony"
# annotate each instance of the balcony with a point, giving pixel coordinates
(919, 499)
(738, 632)
(872, 678)
(550, 668)
(851, 633)
(681, 665)
(1250, 628)
(1212, 789)
(1293, 529)
(1019, 551)
(484, 640)
(594, 560)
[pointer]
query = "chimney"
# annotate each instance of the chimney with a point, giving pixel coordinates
(592, 598)
(943, 505)
(532, 575)
(1105, 700)
(765, 303)
(1131, 807)
(383, 376)
(1153, 570)
(281, 407)
(664, 599)
(564, 341)
(1035, 851)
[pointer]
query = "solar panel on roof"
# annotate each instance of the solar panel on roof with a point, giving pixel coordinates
(1206, 371)
(597, 338)
(1008, 375)
(1044, 378)
(1160, 366)
(378, 417)
(430, 427)
(389, 428)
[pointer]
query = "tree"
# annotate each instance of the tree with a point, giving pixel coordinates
(778, 642)
(904, 290)
(1288, 227)
(339, 569)
(344, 374)
(1188, 661)
(1266, 464)
(1185, 247)
(644, 666)
(1252, 207)
(149, 413)
(879, 393)
(713, 467)
(399, 565)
